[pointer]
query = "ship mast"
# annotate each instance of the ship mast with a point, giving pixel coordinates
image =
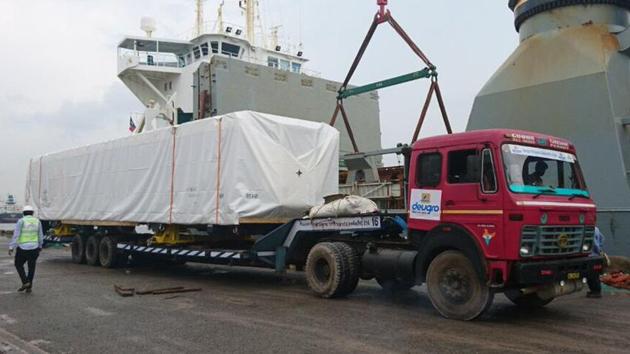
(250, 15)
(219, 24)
(199, 18)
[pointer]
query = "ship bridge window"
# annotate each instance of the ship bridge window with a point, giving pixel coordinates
(230, 49)
(215, 47)
(296, 67)
(197, 52)
(204, 49)
(284, 64)
(181, 60)
(272, 62)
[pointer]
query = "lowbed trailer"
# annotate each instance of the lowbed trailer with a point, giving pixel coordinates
(495, 211)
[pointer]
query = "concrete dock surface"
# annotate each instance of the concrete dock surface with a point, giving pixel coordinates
(74, 309)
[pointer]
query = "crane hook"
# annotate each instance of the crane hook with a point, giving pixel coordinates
(382, 4)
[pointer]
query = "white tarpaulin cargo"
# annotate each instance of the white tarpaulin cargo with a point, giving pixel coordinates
(260, 166)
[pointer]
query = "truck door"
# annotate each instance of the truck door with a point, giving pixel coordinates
(425, 194)
(470, 195)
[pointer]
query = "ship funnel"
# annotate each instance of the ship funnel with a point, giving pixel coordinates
(535, 16)
(570, 77)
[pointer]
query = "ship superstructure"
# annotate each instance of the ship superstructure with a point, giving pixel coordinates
(224, 68)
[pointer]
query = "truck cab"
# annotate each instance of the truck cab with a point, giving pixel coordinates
(513, 204)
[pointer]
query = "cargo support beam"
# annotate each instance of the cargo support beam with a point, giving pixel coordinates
(422, 74)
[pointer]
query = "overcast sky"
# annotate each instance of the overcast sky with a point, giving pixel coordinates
(59, 87)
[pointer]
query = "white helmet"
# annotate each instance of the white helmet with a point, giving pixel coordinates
(28, 208)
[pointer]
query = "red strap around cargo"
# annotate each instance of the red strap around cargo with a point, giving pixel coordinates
(170, 209)
(218, 194)
(39, 189)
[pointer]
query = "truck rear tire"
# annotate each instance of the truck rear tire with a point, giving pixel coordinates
(455, 288)
(528, 301)
(91, 250)
(327, 270)
(395, 285)
(353, 264)
(77, 247)
(107, 252)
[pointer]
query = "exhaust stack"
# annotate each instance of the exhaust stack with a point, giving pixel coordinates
(570, 77)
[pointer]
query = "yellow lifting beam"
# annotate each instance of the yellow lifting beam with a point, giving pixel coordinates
(63, 230)
(171, 235)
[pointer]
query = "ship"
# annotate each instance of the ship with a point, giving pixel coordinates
(569, 77)
(9, 211)
(225, 67)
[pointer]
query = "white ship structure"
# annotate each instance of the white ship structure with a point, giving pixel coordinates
(224, 68)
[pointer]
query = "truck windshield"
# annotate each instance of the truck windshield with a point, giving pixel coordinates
(542, 171)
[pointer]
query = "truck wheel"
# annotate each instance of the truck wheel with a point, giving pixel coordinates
(107, 252)
(326, 270)
(77, 248)
(353, 264)
(528, 301)
(455, 289)
(395, 285)
(91, 250)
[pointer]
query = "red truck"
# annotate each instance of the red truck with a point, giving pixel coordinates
(499, 211)
(488, 212)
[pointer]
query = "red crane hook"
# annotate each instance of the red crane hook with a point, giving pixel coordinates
(382, 4)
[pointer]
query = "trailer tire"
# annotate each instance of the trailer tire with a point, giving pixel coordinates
(353, 266)
(108, 253)
(91, 250)
(527, 301)
(455, 288)
(395, 285)
(326, 270)
(77, 248)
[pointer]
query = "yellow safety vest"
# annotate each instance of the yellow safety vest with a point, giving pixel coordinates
(30, 230)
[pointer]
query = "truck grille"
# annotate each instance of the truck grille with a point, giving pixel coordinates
(556, 240)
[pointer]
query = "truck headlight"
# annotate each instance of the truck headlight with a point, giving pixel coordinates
(526, 251)
(586, 247)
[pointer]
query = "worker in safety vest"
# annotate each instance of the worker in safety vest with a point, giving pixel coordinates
(594, 284)
(27, 241)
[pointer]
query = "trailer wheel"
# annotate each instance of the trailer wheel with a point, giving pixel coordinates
(326, 270)
(353, 265)
(528, 301)
(91, 250)
(395, 285)
(455, 288)
(77, 248)
(107, 252)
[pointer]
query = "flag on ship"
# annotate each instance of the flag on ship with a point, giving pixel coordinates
(132, 125)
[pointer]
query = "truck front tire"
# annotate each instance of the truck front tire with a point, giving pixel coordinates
(77, 248)
(455, 288)
(332, 269)
(528, 301)
(91, 250)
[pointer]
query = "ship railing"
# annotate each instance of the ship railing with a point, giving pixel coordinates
(129, 58)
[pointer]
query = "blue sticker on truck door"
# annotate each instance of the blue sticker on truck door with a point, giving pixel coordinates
(426, 204)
